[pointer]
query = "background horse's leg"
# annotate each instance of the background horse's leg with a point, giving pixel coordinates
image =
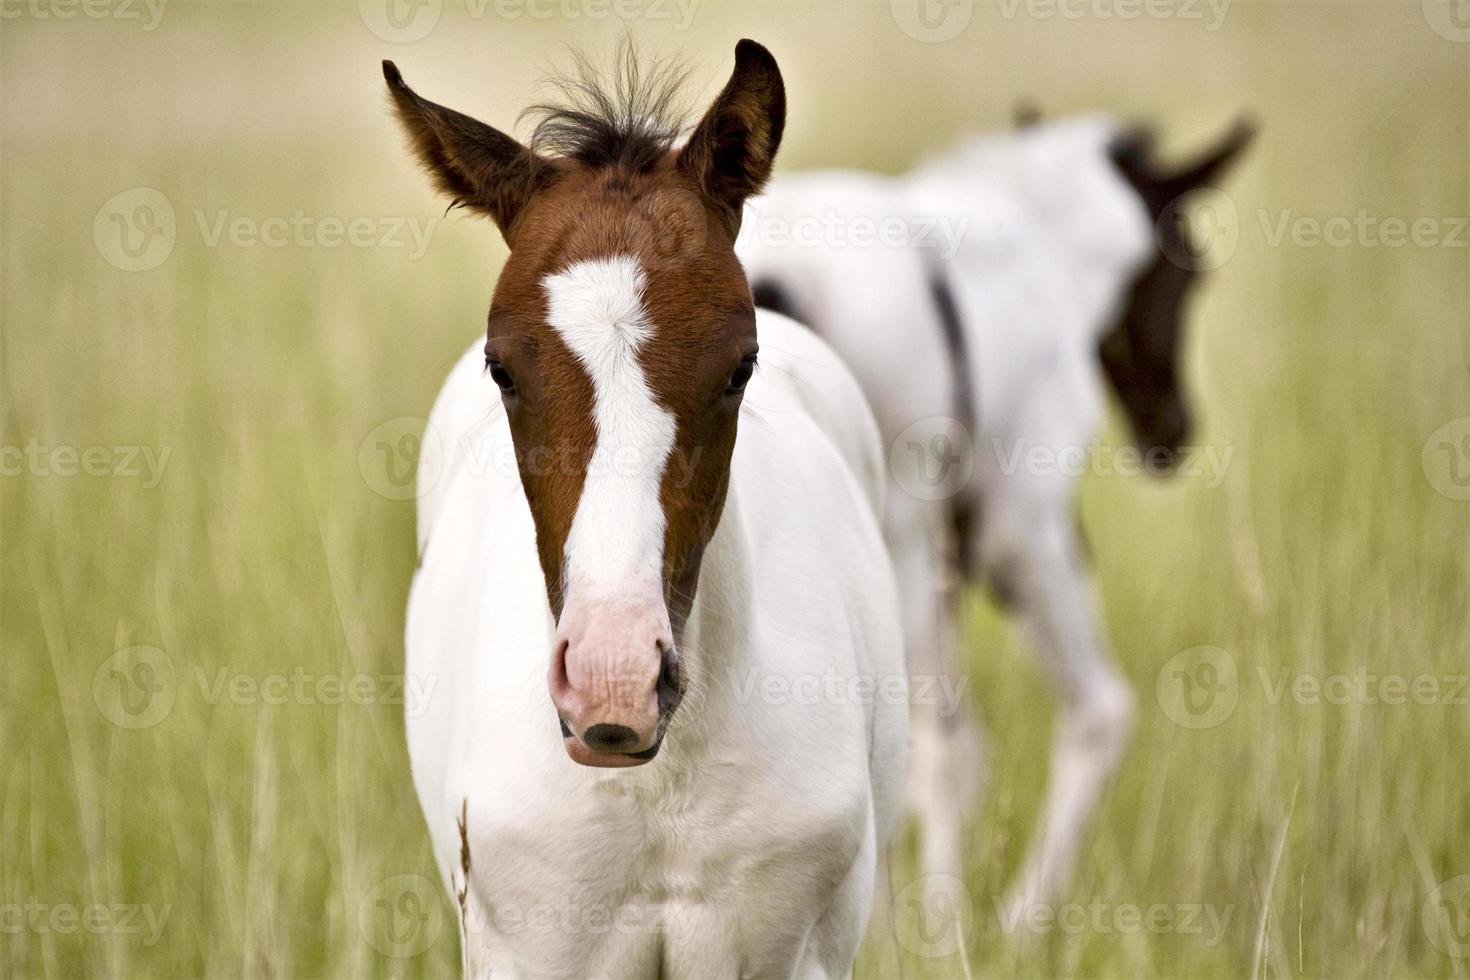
(1034, 556)
(945, 756)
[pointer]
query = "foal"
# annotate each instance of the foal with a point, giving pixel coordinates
(1065, 265)
(637, 556)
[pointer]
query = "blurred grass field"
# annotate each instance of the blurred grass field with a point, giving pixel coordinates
(151, 613)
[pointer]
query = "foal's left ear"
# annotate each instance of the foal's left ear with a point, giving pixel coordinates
(733, 147)
(1210, 165)
(477, 165)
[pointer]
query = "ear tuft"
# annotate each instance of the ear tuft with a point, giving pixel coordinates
(393, 76)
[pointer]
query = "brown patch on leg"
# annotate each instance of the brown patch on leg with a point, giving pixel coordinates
(463, 894)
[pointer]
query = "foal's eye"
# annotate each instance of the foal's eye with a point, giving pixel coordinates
(741, 377)
(500, 376)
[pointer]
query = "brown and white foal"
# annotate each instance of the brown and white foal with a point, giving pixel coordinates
(598, 547)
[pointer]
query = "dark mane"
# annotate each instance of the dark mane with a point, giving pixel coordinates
(628, 119)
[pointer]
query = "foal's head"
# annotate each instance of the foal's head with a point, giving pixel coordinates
(1141, 352)
(621, 335)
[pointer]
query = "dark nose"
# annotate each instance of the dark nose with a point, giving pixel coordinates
(610, 738)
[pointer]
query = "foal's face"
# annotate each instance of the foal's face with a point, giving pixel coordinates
(1141, 353)
(622, 372)
(621, 335)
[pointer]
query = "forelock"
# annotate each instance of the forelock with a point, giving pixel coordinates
(629, 117)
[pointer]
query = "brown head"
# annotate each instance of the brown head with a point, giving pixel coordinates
(621, 335)
(1141, 352)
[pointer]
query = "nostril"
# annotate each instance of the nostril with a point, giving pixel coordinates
(560, 684)
(610, 738)
(668, 681)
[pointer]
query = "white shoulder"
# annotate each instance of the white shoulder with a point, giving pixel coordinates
(796, 359)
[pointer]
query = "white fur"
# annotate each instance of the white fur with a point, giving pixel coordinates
(1050, 238)
(748, 847)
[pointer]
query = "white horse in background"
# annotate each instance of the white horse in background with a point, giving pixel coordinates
(624, 775)
(1031, 267)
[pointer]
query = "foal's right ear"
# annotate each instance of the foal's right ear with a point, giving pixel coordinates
(477, 165)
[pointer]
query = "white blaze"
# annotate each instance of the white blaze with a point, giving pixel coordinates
(615, 546)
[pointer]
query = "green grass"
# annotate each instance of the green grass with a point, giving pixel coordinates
(259, 835)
